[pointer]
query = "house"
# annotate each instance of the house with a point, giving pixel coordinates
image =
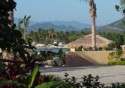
(86, 42)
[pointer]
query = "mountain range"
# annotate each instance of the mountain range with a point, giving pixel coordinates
(75, 26)
(116, 26)
(59, 26)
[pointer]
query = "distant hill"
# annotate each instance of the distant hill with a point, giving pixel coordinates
(59, 26)
(116, 26)
(74, 24)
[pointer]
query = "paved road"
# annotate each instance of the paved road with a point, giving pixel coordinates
(107, 74)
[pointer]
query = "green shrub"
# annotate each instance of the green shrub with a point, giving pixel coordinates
(79, 48)
(116, 63)
(115, 58)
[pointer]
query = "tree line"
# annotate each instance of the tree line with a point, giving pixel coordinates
(51, 35)
(118, 38)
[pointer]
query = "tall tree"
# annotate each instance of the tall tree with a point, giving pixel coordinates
(93, 17)
(26, 24)
(52, 34)
(10, 39)
(7, 26)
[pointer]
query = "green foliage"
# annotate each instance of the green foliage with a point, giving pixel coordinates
(26, 20)
(116, 63)
(119, 52)
(79, 48)
(11, 41)
(11, 82)
(48, 36)
(117, 7)
(55, 84)
(117, 38)
(33, 75)
(5, 82)
(115, 56)
(91, 82)
(88, 82)
(118, 85)
(121, 8)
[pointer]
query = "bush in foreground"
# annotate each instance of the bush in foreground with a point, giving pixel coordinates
(36, 80)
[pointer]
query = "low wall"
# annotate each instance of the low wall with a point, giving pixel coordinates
(123, 55)
(100, 57)
(72, 59)
(79, 58)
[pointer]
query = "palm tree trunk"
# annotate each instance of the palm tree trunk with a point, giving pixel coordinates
(93, 16)
(93, 34)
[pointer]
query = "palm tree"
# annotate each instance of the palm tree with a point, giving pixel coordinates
(26, 23)
(52, 34)
(93, 16)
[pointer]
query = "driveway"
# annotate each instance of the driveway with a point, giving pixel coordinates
(107, 74)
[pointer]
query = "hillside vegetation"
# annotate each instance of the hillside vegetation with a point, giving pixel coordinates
(116, 26)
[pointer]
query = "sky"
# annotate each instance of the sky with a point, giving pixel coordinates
(67, 10)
